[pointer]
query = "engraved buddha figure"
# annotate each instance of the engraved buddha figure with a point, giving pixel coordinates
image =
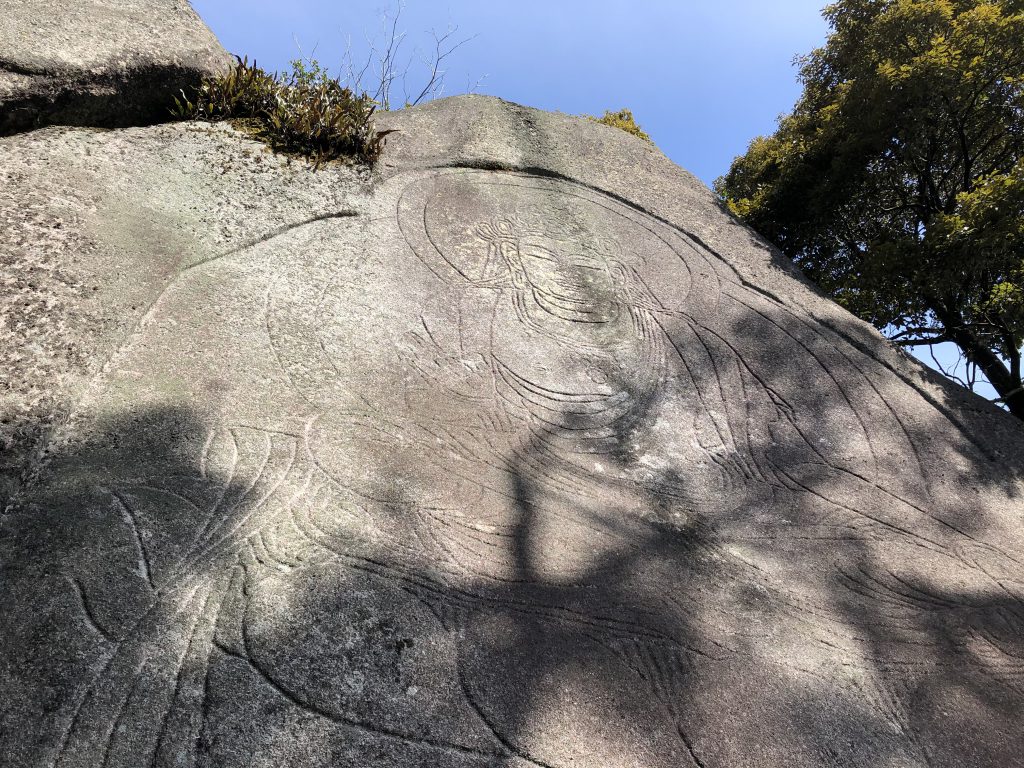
(573, 284)
(559, 281)
(580, 328)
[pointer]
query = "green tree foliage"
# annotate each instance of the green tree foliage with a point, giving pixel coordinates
(897, 183)
(623, 120)
(305, 111)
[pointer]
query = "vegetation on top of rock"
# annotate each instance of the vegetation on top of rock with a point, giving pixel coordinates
(304, 112)
(623, 120)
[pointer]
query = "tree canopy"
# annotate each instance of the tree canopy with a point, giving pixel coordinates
(897, 182)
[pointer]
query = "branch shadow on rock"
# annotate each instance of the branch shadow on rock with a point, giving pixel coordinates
(804, 587)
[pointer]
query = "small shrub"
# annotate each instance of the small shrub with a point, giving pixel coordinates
(623, 120)
(304, 112)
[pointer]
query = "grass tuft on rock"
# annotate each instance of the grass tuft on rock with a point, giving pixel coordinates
(305, 112)
(623, 120)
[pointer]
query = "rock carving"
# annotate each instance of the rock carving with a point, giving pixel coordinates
(505, 470)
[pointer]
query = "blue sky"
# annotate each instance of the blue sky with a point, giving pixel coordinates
(701, 78)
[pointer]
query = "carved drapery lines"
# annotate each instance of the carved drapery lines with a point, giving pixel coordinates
(516, 410)
(451, 260)
(583, 290)
(571, 289)
(263, 525)
(505, 236)
(43, 450)
(260, 481)
(505, 239)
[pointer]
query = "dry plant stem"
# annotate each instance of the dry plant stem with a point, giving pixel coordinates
(391, 68)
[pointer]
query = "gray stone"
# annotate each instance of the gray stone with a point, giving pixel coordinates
(99, 62)
(517, 452)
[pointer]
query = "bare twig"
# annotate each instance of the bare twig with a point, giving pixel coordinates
(471, 86)
(391, 70)
(442, 50)
(949, 372)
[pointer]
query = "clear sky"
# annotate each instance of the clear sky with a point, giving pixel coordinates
(702, 78)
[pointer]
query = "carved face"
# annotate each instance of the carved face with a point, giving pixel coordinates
(570, 281)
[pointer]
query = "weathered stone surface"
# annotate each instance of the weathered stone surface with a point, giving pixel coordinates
(96, 223)
(519, 452)
(99, 62)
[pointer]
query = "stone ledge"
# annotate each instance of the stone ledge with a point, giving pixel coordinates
(94, 63)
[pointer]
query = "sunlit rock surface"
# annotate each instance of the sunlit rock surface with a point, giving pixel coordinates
(99, 62)
(517, 451)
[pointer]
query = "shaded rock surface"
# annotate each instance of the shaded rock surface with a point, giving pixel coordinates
(99, 62)
(516, 452)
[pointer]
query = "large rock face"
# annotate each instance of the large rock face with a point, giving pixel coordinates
(99, 62)
(516, 452)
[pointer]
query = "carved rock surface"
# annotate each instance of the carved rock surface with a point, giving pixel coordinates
(515, 452)
(99, 62)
